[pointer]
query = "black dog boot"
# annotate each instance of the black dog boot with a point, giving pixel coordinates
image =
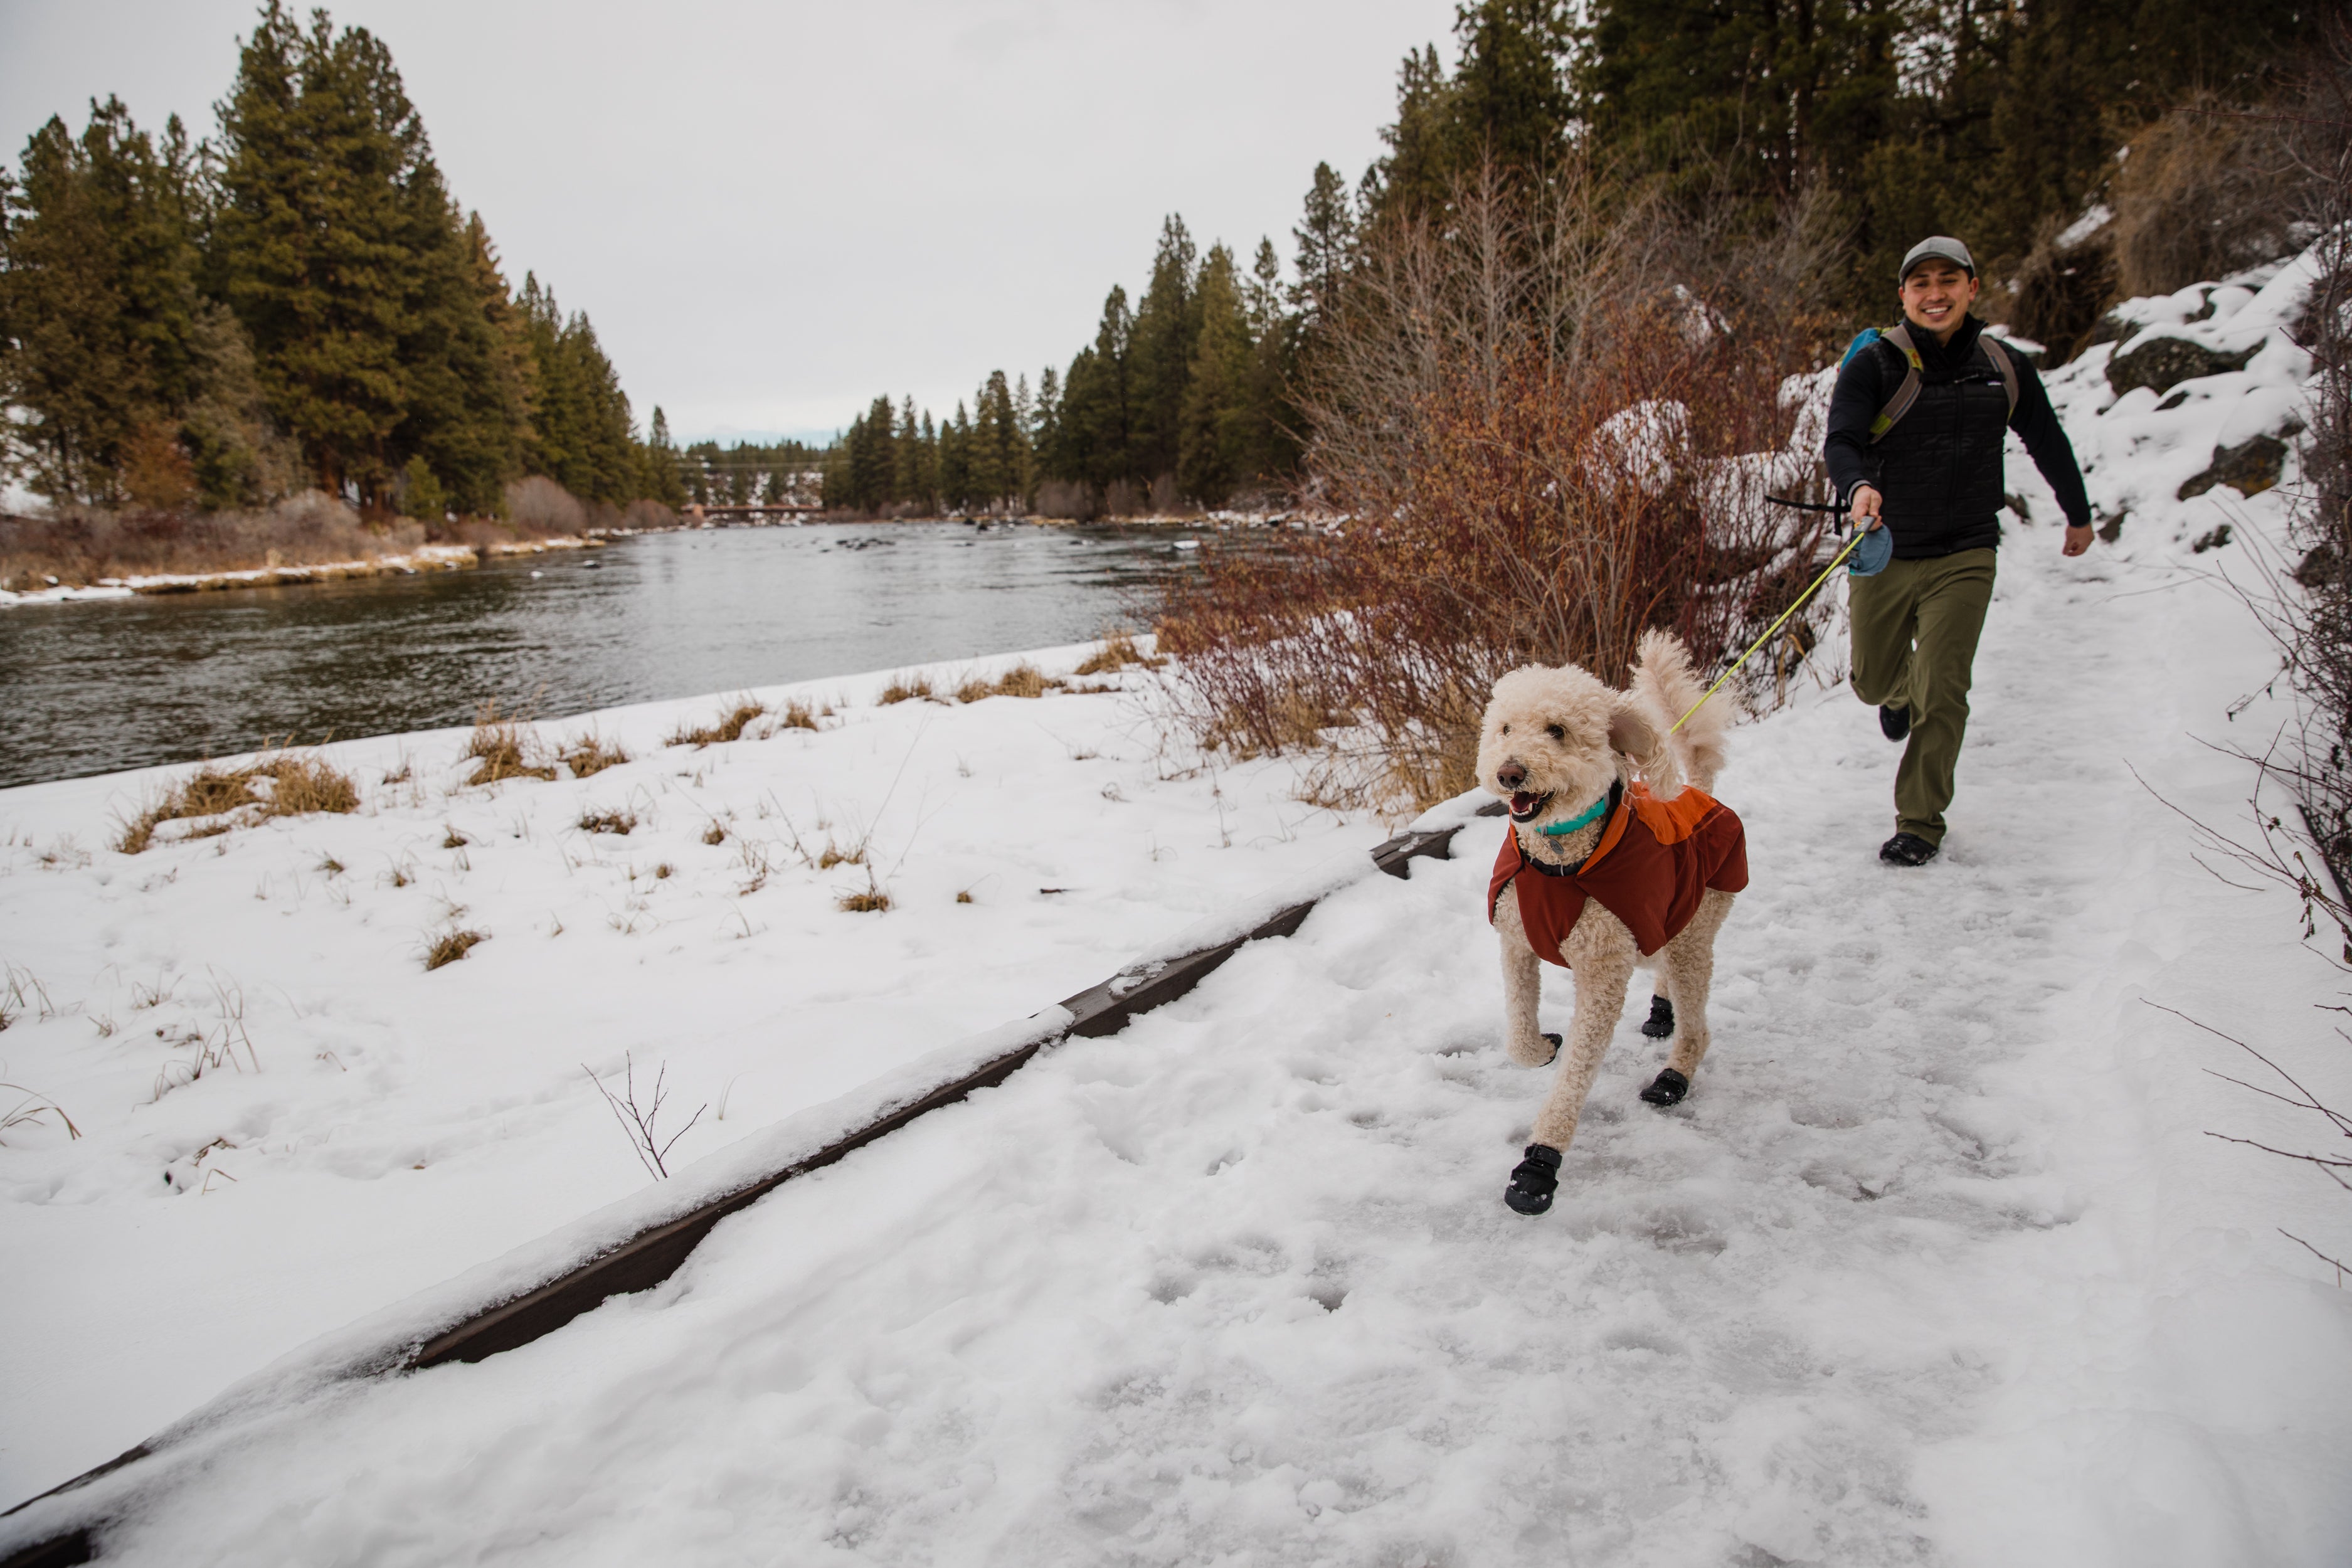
(1534, 1181)
(1667, 1089)
(1554, 1044)
(1662, 1018)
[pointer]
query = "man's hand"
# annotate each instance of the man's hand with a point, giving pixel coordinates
(2078, 540)
(1865, 511)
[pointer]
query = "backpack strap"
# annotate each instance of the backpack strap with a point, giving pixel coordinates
(2004, 363)
(1907, 393)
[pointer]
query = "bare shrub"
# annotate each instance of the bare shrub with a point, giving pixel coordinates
(730, 727)
(80, 545)
(2205, 191)
(1536, 438)
(2060, 293)
(592, 754)
(284, 783)
(452, 946)
(641, 1124)
(503, 747)
(1121, 498)
(2309, 611)
(541, 507)
(1075, 500)
(648, 516)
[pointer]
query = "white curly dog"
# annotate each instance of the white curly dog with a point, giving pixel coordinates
(1613, 861)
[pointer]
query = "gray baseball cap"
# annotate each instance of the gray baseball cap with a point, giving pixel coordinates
(1941, 245)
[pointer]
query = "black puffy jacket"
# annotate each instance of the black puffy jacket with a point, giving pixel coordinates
(1939, 469)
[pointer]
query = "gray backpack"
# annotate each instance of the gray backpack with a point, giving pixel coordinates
(1907, 393)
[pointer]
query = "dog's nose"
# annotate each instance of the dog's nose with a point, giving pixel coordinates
(1510, 775)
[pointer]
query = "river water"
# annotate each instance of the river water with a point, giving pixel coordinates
(93, 686)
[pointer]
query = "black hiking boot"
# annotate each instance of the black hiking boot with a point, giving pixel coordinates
(1906, 849)
(1534, 1181)
(1667, 1089)
(1894, 724)
(1661, 1021)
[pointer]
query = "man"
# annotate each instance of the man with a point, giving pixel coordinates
(1915, 446)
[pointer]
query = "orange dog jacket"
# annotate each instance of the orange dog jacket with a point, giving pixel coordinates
(1655, 860)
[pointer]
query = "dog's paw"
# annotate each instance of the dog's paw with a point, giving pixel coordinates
(1534, 1181)
(1661, 1022)
(1667, 1089)
(1545, 1051)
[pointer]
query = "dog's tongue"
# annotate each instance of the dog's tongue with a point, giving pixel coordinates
(1524, 801)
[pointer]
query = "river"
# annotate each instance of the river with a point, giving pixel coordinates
(93, 687)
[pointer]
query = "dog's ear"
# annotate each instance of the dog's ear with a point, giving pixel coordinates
(1633, 731)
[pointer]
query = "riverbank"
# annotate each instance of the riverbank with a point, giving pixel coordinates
(426, 558)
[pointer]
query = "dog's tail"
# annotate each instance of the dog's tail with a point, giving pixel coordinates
(1664, 683)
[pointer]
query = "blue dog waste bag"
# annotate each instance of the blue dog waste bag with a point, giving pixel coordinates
(1870, 557)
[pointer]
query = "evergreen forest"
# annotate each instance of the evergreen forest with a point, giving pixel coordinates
(294, 302)
(299, 302)
(1852, 127)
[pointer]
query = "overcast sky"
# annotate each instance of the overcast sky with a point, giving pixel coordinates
(775, 212)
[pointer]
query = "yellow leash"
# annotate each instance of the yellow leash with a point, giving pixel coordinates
(1775, 626)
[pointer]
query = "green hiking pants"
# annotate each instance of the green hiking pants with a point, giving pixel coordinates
(1914, 644)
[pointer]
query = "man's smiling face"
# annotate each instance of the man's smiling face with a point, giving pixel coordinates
(1937, 293)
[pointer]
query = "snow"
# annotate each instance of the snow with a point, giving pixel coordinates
(1937, 1265)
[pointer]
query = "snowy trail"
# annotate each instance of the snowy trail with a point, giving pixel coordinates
(1937, 1265)
(1236, 1286)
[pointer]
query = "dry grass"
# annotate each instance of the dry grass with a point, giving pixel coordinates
(2204, 193)
(664, 871)
(453, 839)
(501, 748)
(592, 754)
(797, 716)
(622, 823)
(964, 896)
(452, 946)
(905, 689)
(714, 833)
(973, 690)
(29, 1110)
(1118, 651)
(730, 727)
(286, 784)
(834, 855)
(82, 545)
(868, 901)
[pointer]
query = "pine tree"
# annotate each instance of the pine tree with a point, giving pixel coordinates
(1327, 242)
(663, 480)
(462, 351)
(1213, 449)
(100, 299)
(955, 462)
(1045, 425)
(1167, 325)
(331, 218)
(1096, 431)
